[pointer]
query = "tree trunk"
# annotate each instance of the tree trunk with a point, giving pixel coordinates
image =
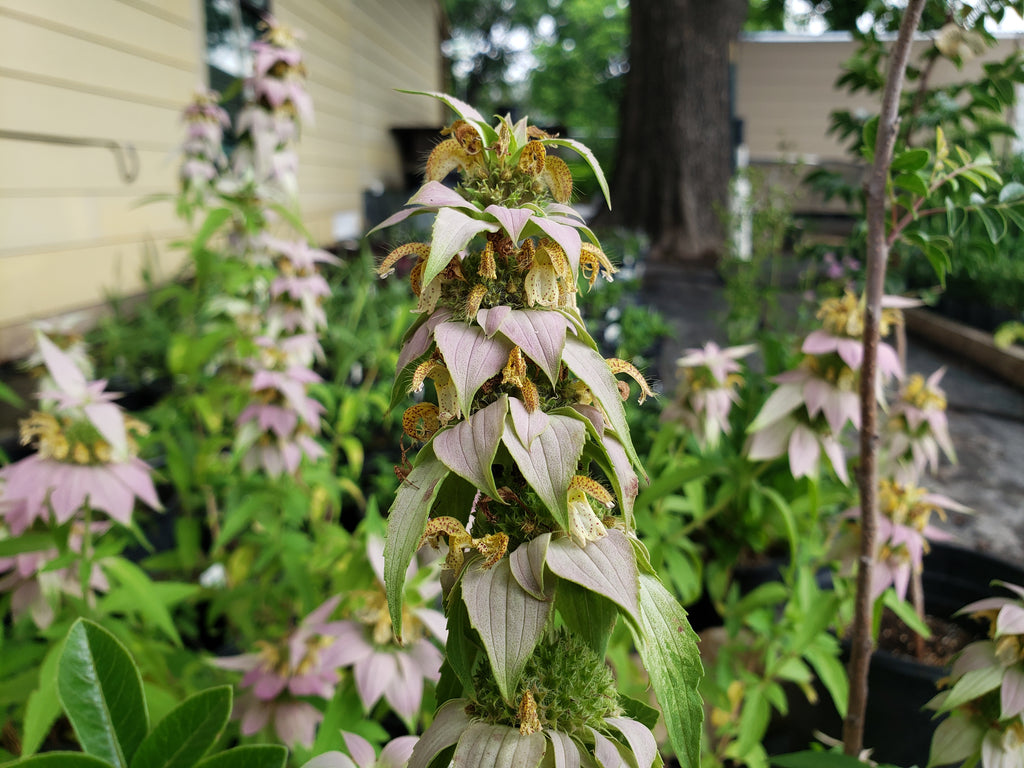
(674, 159)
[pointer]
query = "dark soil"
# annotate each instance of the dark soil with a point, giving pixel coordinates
(948, 638)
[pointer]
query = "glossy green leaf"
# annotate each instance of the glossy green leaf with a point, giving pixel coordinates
(509, 620)
(26, 542)
(587, 155)
(593, 370)
(62, 760)
(461, 650)
(832, 674)
(101, 690)
(254, 756)
(956, 739)
(407, 521)
(753, 721)
(1014, 190)
(912, 182)
(182, 738)
(668, 648)
(816, 759)
(910, 160)
(973, 684)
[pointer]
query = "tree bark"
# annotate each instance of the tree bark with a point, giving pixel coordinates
(674, 158)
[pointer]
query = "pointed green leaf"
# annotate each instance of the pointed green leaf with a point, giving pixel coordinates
(912, 183)
(459, 107)
(973, 684)
(101, 691)
(252, 756)
(471, 357)
(468, 448)
(43, 706)
(137, 584)
(407, 520)
(586, 154)
(910, 160)
(214, 220)
(182, 738)
(832, 674)
(550, 462)
(586, 614)
(1014, 190)
(593, 370)
(509, 620)
(62, 760)
(668, 648)
(27, 542)
(483, 744)
(461, 650)
(606, 566)
(452, 232)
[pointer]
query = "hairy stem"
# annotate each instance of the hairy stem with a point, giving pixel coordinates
(877, 255)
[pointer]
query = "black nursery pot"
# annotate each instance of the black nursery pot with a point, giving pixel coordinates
(896, 726)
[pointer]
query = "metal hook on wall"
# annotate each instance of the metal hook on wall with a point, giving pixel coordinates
(125, 155)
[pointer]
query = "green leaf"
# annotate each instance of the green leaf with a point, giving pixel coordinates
(407, 520)
(461, 650)
(27, 542)
(1014, 190)
(906, 613)
(62, 760)
(668, 647)
(586, 614)
(832, 675)
(145, 600)
(182, 738)
(753, 721)
(254, 756)
(587, 155)
(43, 706)
(870, 137)
(910, 160)
(913, 183)
(101, 690)
(214, 220)
(995, 232)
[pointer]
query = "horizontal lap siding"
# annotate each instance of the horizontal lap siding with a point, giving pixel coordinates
(358, 52)
(73, 232)
(785, 93)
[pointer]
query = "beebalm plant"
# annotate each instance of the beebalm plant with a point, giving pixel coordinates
(527, 469)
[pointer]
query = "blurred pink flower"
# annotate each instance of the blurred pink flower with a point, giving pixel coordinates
(395, 754)
(917, 428)
(35, 590)
(382, 668)
(306, 663)
(706, 392)
(38, 485)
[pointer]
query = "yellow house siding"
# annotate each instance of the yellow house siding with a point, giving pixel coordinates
(357, 53)
(785, 92)
(72, 232)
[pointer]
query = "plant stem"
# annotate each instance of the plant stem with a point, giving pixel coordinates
(877, 255)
